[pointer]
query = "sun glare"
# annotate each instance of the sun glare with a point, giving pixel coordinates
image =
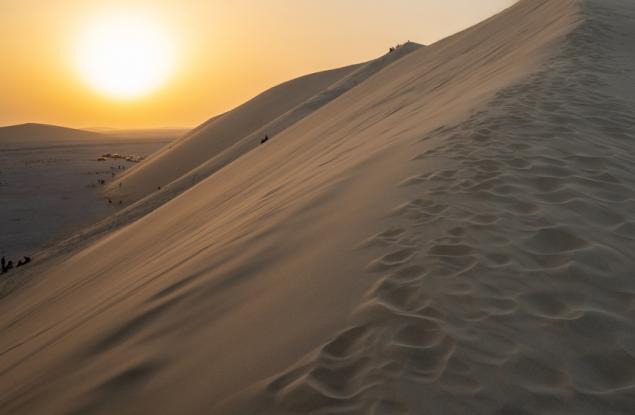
(125, 55)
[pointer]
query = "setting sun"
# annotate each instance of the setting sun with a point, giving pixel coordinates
(125, 56)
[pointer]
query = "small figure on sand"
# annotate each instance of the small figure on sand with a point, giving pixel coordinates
(264, 140)
(6, 265)
(23, 262)
(396, 48)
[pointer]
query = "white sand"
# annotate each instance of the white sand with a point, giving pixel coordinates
(454, 235)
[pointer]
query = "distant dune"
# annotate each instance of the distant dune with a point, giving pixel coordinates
(44, 133)
(452, 234)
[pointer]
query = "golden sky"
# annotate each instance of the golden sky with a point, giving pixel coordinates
(224, 51)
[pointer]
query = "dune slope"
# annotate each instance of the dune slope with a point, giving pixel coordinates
(224, 138)
(220, 132)
(454, 235)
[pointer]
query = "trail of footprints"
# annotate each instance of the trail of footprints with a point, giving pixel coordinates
(523, 301)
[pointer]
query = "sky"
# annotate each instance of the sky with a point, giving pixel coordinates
(221, 52)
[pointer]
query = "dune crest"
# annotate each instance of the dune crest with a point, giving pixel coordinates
(453, 235)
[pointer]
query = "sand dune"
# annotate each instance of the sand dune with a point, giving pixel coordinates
(221, 132)
(224, 138)
(40, 133)
(453, 235)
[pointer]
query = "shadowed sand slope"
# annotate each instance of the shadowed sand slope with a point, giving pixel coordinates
(452, 236)
(219, 141)
(43, 133)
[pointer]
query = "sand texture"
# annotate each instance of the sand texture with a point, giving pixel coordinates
(452, 235)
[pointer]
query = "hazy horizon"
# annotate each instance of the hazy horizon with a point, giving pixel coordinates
(224, 53)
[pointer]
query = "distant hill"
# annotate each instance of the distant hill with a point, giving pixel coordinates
(33, 133)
